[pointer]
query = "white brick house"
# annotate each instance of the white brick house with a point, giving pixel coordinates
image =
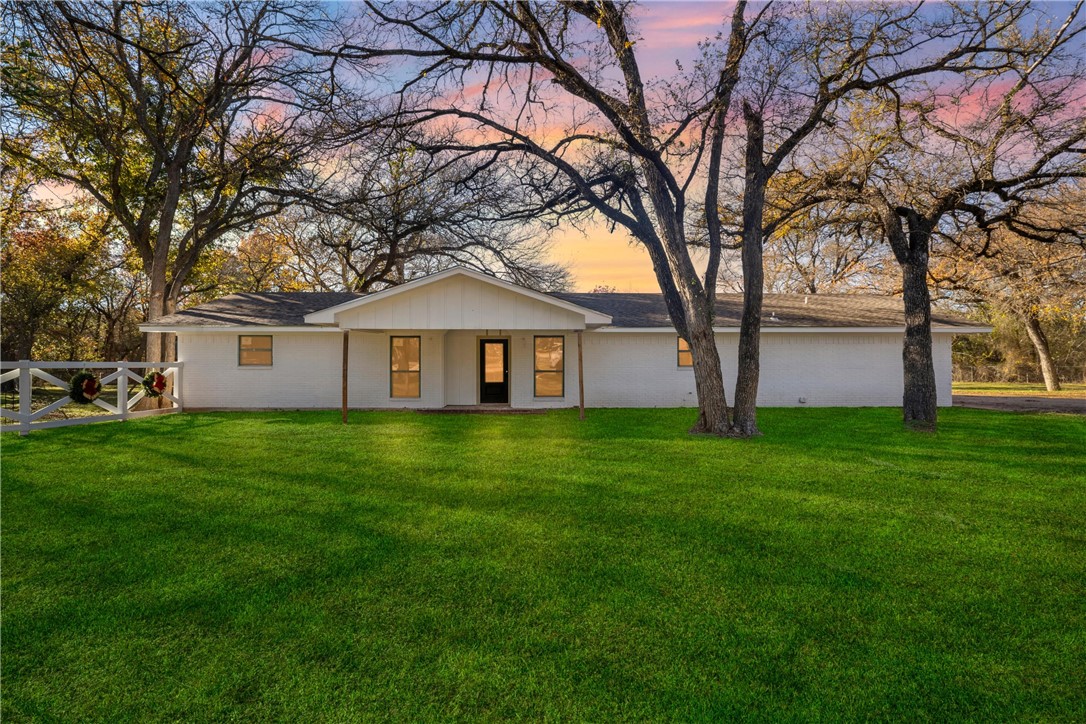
(462, 338)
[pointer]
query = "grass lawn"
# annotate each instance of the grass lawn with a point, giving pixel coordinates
(282, 566)
(1031, 389)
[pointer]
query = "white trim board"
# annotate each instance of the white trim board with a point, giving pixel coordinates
(253, 328)
(795, 330)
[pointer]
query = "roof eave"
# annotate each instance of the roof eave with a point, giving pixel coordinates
(941, 329)
(259, 328)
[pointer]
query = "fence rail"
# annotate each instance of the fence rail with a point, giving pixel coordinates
(27, 371)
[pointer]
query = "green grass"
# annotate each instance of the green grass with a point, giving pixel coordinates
(411, 567)
(1069, 389)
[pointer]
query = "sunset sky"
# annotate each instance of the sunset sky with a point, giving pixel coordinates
(669, 31)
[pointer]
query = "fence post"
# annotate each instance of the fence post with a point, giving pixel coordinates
(122, 389)
(177, 385)
(25, 396)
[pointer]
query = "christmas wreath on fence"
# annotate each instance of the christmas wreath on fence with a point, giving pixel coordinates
(154, 384)
(84, 388)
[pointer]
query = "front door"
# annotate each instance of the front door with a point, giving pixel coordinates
(494, 370)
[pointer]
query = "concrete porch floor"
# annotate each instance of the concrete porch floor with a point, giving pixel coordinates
(485, 409)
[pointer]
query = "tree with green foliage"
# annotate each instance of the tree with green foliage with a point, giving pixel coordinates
(1040, 283)
(50, 257)
(184, 121)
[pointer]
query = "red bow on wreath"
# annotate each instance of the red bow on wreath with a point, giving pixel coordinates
(84, 388)
(154, 384)
(91, 389)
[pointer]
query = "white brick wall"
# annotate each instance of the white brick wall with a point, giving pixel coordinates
(827, 369)
(305, 371)
(621, 370)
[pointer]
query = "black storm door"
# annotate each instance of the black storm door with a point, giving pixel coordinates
(494, 370)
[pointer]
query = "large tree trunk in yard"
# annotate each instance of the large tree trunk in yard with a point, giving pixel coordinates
(156, 264)
(688, 305)
(745, 414)
(910, 246)
(154, 344)
(919, 401)
(1044, 353)
(708, 380)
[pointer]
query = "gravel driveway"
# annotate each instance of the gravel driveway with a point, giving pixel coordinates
(1011, 403)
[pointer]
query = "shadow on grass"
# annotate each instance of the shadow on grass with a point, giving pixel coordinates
(281, 565)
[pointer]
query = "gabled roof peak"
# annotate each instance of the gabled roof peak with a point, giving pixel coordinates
(328, 316)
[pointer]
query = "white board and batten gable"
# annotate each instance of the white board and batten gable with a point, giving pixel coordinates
(458, 299)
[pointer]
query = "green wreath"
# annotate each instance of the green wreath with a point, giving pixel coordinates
(154, 384)
(84, 388)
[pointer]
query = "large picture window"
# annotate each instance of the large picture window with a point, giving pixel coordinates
(405, 366)
(685, 360)
(255, 350)
(550, 365)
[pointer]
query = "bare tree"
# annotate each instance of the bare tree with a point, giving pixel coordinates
(930, 161)
(823, 249)
(397, 213)
(557, 92)
(528, 87)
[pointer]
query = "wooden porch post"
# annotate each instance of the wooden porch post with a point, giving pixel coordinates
(346, 345)
(580, 371)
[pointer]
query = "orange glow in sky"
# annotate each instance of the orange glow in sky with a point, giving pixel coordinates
(669, 31)
(600, 257)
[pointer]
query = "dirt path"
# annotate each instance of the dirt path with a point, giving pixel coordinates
(1019, 403)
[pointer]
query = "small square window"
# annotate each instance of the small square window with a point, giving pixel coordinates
(255, 350)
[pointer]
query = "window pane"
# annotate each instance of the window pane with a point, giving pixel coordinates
(405, 384)
(548, 384)
(685, 360)
(262, 357)
(548, 353)
(493, 362)
(405, 354)
(261, 341)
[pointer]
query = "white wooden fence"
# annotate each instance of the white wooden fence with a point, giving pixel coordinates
(25, 372)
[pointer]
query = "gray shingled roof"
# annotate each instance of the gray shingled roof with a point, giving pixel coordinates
(779, 310)
(266, 309)
(288, 309)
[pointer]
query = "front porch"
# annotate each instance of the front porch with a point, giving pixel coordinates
(476, 370)
(463, 339)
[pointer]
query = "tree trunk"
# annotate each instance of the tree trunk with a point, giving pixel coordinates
(708, 380)
(156, 262)
(919, 401)
(155, 347)
(745, 415)
(1044, 353)
(687, 304)
(910, 246)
